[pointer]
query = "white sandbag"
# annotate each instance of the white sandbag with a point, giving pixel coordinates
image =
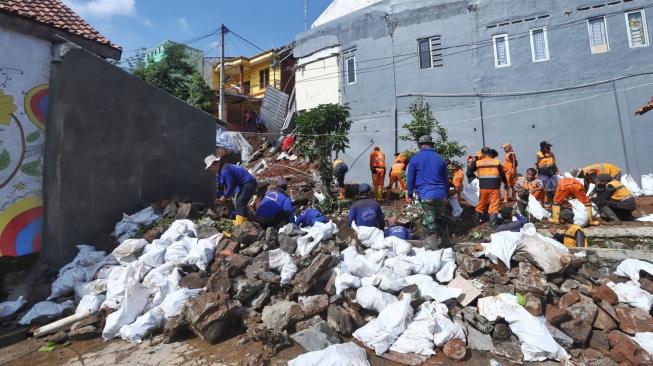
(282, 261)
(362, 265)
(535, 208)
(143, 326)
(347, 354)
(502, 246)
(129, 250)
(418, 337)
(314, 235)
(632, 185)
(382, 332)
(390, 280)
(426, 262)
(178, 250)
(546, 253)
(90, 304)
(8, 308)
(580, 213)
(445, 329)
(201, 254)
(95, 287)
(471, 191)
(401, 264)
(456, 209)
(373, 281)
(154, 253)
(647, 218)
(397, 246)
(118, 280)
(370, 237)
(178, 230)
(46, 309)
(82, 269)
(447, 266)
(371, 298)
(65, 283)
(647, 184)
(630, 293)
(428, 288)
(631, 267)
(163, 283)
(129, 226)
(132, 306)
(645, 340)
(345, 280)
(174, 302)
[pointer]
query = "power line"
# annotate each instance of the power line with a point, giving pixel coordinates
(246, 41)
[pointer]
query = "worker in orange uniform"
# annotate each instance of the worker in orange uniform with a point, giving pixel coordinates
(615, 201)
(458, 177)
(547, 170)
(397, 174)
(591, 173)
(490, 175)
(510, 168)
(377, 167)
(573, 236)
(567, 188)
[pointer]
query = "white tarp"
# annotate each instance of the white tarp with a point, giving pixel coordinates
(234, 142)
(471, 191)
(502, 246)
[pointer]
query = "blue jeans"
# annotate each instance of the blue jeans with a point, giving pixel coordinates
(550, 183)
(245, 193)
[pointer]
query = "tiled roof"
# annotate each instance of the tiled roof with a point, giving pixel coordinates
(56, 14)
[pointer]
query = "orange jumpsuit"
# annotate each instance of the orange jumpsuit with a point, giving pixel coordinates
(457, 180)
(568, 188)
(398, 169)
(509, 167)
(490, 175)
(377, 166)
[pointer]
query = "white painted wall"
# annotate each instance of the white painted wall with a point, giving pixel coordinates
(339, 8)
(317, 83)
(24, 77)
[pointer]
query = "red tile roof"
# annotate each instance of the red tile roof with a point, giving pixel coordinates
(56, 14)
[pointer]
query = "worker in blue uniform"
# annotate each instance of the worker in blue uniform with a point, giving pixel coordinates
(233, 178)
(309, 216)
(366, 211)
(276, 206)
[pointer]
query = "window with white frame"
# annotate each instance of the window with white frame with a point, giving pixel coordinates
(539, 45)
(501, 50)
(350, 63)
(598, 35)
(430, 52)
(636, 27)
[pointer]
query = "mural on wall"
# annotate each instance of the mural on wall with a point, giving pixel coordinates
(23, 111)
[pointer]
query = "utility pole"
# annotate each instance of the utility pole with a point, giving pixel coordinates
(221, 111)
(305, 15)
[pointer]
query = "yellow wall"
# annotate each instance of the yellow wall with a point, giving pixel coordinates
(251, 74)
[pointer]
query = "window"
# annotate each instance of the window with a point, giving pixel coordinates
(351, 70)
(636, 27)
(264, 78)
(430, 52)
(598, 35)
(501, 50)
(539, 45)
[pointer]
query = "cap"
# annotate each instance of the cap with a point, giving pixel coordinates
(364, 188)
(282, 183)
(425, 139)
(209, 160)
(546, 143)
(567, 215)
(505, 145)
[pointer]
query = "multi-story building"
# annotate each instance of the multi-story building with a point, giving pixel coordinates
(569, 72)
(195, 57)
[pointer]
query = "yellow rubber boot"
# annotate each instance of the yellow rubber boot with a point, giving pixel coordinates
(590, 217)
(556, 215)
(240, 220)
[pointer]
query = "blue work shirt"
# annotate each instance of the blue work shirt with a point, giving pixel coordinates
(427, 174)
(367, 212)
(308, 217)
(398, 231)
(276, 203)
(233, 176)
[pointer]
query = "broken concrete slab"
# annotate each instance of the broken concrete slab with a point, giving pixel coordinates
(469, 292)
(478, 341)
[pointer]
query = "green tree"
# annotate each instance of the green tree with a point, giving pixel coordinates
(199, 94)
(320, 132)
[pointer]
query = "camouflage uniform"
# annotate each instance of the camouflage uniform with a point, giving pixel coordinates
(435, 221)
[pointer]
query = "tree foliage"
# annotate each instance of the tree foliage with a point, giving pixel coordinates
(175, 75)
(320, 132)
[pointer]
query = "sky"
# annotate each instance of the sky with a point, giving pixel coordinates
(133, 24)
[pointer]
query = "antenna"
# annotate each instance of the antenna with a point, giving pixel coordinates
(305, 15)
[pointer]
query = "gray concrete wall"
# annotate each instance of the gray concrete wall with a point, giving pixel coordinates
(586, 124)
(114, 145)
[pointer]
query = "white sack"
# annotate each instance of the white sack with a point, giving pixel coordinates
(82, 269)
(178, 230)
(118, 279)
(154, 253)
(382, 332)
(362, 265)
(390, 281)
(143, 326)
(347, 354)
(631, 267)
(202, 253)
(632, 185)
(535, 208)
(456, 209)
(580, 213)
(502, 246)
(8, 308)
(471, 191)
(282, 261)
(371, 298)
(447, 267)
(162, 281)
(630, 293)
(129, 225)
(132, 306)
(544, 252)
(426, 262)
(46, 309)
(647, 184)
(418, 337)
(177, 251)
(645, 340)
(174, 302)
(445, 329)
(370, 237)
(397, 246)
(128, 250)
(314, 235)
(490, 307)
(345, 280)
(90, 304)
(647, 218)
(428, 287)
(95, 287)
